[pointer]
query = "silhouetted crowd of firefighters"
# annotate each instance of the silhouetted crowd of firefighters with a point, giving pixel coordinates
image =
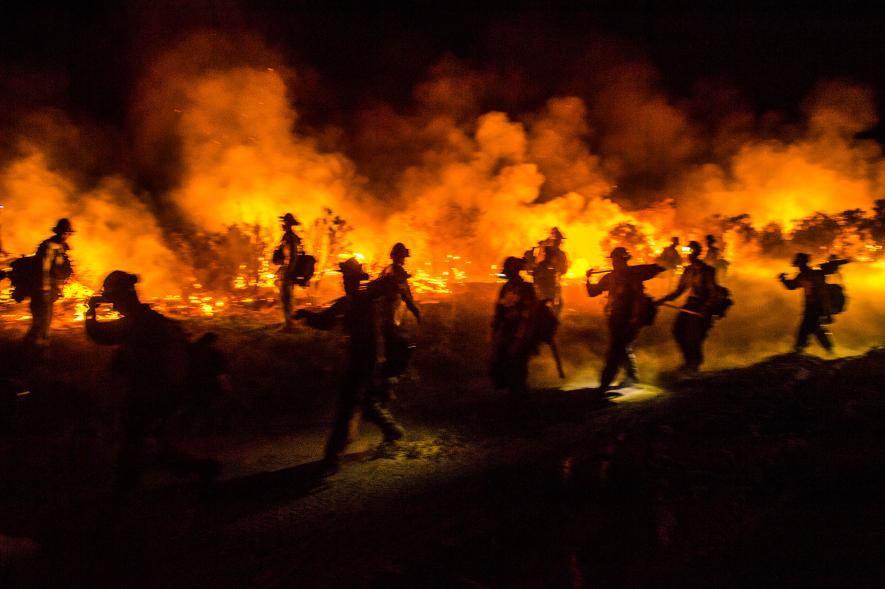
(162, 367)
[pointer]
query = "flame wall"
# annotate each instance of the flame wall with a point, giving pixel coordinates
(214, 138)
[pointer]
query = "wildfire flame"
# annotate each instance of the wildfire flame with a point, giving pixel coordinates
(461, 187)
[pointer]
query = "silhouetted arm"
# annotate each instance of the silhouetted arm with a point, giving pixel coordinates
(789, 283)
(405, 293)
(594, 290)
(680, 288)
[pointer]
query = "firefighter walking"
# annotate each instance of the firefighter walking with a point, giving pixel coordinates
(393, 285)
(694, 320)
(818, 307)
(628, 309)
(152, 360)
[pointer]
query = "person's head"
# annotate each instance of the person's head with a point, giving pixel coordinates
(119, 289)
(619, 257)
(63, 228)
(801, 260)
(710, 240)
(399, 252)
(289, 221)
(674, 241)
(694, 250)
(352, 274)
(556, 237)
(512, 266)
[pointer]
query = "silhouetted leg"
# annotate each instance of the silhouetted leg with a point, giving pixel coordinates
(615, 357)
(41, 318)
(681, 335)
(810, 323)
(397, 351)
(821, 334)
(703, 331)
(695, 333)
(630, 364)
(376, 411)
(347, 396)
(286, 301)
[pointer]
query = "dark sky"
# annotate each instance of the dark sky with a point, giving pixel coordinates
(88, 60)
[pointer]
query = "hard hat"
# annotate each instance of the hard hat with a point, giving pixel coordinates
(512, 266)
(63, 226)
(801, 259)
(289, 220)
(620, 253)
(352, 268)
(399, 250)
(118, 283)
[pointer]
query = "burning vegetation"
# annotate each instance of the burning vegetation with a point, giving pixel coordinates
(218, 152)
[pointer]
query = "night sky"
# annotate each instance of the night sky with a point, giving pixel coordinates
(86, 62)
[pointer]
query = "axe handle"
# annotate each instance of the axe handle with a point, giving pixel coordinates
(681, 310)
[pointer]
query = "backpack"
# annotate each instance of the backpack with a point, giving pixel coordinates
(278, 258)
(305, 266)
(723, 302)
(836, 296)
(25, 277)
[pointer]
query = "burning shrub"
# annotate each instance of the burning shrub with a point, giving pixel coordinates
(630, 236)
(771, 240)
(819, 231)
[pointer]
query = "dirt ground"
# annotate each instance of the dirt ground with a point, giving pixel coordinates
(763, 471)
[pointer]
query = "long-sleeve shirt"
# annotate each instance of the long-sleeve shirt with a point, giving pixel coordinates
(54, 265)
(289, 245)
(550, 265)
(669, 258)
(394, 286)
(625, 289)
(813, 283)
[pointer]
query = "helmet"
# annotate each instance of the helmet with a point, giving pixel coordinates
(555, 233)
(801, 259)
(63, 226)
(118, 283)
(620, 253)
(399, 250)
(710, 239)
(351, 268)
(695, 247)
(289, 220)
(674, 240)
(512, 266)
